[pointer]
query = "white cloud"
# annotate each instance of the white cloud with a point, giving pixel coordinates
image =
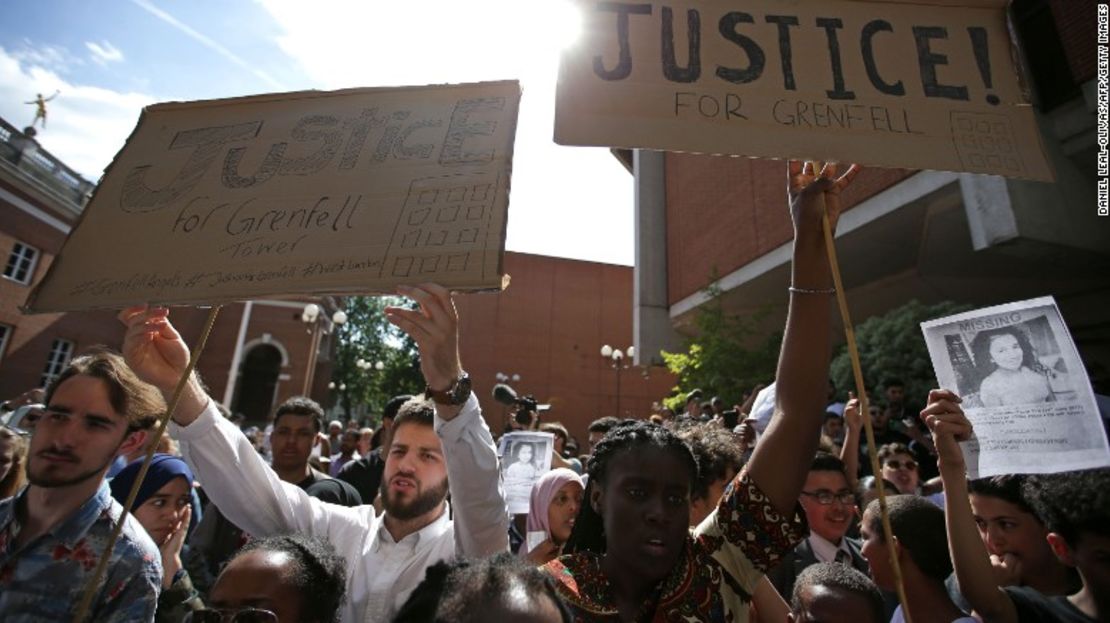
(86, 125)
(53, 57)
(104, 52)
(569, 202)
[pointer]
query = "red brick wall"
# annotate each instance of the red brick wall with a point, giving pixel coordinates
(548, 327)
(1076, 23)
(724, 212)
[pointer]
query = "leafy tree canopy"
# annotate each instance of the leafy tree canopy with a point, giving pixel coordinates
(727, 358)
(369, 337)
(892, 346)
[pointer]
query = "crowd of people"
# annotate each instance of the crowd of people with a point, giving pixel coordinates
(762, 512)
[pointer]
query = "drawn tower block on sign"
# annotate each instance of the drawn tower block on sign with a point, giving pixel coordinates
(444, 226)
(985, 143)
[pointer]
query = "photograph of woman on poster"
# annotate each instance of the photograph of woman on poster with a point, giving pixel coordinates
(1012, 375)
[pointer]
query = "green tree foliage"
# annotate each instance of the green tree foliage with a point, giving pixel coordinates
(368, 336)
(727, 358)
(892, 345)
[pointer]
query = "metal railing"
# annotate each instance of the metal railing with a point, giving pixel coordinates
(29, 158)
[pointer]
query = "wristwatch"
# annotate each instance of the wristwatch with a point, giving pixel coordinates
(456, 394)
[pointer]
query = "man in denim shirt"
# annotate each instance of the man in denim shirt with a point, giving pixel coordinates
(54, 531)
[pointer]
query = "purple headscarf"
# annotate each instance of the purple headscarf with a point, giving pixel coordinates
(545, 490)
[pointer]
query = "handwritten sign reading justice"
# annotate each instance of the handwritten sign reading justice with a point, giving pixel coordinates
(352, 191)
(928, 84)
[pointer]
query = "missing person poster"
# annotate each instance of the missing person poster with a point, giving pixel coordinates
(525, 457)
(342, 192)
(1024, 388)
(930, 84)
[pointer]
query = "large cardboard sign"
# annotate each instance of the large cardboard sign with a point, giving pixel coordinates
(923, 85)
(1023, 386)
(352, 191)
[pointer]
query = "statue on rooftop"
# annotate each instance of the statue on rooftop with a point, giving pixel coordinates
(40, 108)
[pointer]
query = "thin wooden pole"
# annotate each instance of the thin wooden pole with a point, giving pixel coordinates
(102, 566)
(861, 392)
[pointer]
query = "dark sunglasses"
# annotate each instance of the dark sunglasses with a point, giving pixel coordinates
(896, 464)
(243, 615)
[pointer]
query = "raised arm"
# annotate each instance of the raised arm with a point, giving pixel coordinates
(969, 556)
(255, 499)
(477, 501)
(781, 459)
(849, 452)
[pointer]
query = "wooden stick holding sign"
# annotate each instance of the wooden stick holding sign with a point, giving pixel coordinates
(152, 445)
(828, 169)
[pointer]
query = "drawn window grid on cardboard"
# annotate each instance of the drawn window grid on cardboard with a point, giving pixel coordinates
(441, 217)
(985, 143)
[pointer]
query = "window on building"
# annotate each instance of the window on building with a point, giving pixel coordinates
(5, 335)
(60, 353)
(21, 263)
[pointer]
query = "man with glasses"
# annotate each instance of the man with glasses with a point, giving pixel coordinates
(386, 554)
(830, 507)
(53, 532)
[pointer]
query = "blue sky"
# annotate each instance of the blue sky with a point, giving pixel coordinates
(110, 58)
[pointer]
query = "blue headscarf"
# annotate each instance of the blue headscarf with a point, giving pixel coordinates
(163, 469)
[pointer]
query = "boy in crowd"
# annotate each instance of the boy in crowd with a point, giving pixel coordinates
(1074, 506)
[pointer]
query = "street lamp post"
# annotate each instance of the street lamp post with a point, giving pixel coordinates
(309, 316)
(615, 359)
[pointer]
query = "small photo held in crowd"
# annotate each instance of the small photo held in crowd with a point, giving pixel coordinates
(525, 456)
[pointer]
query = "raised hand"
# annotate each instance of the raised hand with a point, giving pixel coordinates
(946, 419)
(434, 325)
(852, 416)
(152, 347)
(155, 351)
(813, 193)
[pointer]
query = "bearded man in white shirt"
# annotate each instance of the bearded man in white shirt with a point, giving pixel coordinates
(387, 554)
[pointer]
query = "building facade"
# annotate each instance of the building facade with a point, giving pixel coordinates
(925, 235)
(548, 328)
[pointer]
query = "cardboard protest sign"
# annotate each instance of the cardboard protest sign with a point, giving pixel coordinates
(352, 191)
(923, 85)
(1024, 388)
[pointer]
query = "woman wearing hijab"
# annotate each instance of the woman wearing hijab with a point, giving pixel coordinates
(164, 508)
(555, 500)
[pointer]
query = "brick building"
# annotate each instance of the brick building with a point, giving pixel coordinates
(548, 327)
(926, 235)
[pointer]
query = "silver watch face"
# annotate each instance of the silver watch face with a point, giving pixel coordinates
(461, 391)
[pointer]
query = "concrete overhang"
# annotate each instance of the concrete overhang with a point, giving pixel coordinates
(936, 236)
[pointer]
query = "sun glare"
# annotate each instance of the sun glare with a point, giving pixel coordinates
(565, 26)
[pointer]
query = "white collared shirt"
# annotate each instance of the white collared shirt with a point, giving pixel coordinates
(381, 573)
(825, 550)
